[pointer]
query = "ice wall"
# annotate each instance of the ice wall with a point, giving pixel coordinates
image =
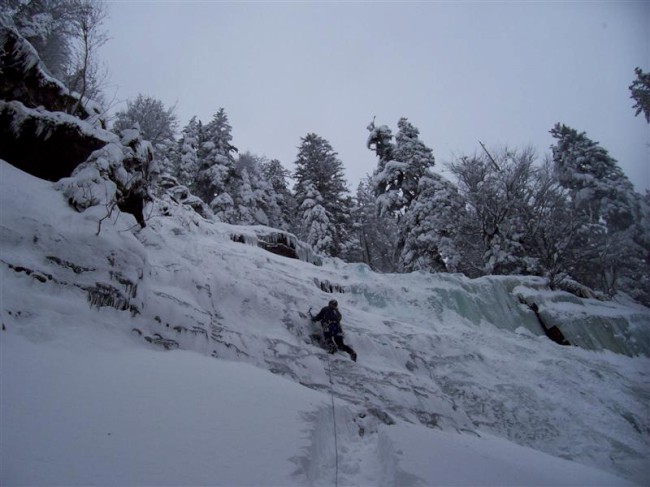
(589, 323)
(503, 302)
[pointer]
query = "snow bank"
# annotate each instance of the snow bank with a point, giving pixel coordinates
(98, 409)
(128, 416)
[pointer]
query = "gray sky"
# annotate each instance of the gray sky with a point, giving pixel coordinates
(499, 72)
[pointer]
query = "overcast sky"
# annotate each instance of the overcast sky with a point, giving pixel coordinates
(499, 72)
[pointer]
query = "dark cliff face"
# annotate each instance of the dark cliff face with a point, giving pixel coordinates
(44, 129)
(42, 144)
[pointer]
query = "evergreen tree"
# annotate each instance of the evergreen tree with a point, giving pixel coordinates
(247, 207)
(400, 167)
(188, 153)
(276, 175)
(344, 225)
(254, 196)
(316, 227)
(387, 178)
(430, 227)
(397, 184)
(417, 156)
(317, 166)
(604, 201)
(598, 187)
(216, 177)
(640, 93)
(380, 140)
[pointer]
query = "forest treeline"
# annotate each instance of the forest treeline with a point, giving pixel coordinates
(571, 216)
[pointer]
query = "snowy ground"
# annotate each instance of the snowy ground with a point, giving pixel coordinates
(453, 385)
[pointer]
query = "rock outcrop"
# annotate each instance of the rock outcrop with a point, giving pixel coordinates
(45, 129)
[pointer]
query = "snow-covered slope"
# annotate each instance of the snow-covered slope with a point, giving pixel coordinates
(173, 355)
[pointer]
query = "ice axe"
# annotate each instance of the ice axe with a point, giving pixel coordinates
(302, 315)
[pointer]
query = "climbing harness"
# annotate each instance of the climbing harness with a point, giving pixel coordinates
(336, 446)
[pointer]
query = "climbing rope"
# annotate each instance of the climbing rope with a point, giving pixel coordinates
(336, 446)
(336, 441)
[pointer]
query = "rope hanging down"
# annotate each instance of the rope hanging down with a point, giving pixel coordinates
(336, 446)
(336, 443)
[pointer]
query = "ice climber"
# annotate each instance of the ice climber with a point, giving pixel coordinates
(330, 319)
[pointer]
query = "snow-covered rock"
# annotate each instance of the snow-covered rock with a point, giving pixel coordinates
(44, 128)
(49, 145)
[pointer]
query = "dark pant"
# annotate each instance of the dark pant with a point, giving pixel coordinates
(342, 346)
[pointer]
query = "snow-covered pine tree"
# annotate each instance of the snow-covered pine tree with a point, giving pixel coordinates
(604, 200)
(216, 178)
(387, 178)
(417, 156)
(598, 186)
(276, 175)
(168, 162)
(316, 227)
(396, 182)
(344, 225)
(254, 196)
(246, 206)
(318, 166)
(380, 140)
(188, 153)
(400, 167)
(430, 227)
